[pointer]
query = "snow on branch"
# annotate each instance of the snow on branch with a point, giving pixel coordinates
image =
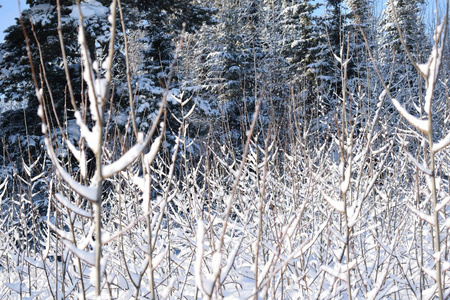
(230, 262)
(422, 215)
(89, 193)
(87, 257)
(442, 143)
(337, 205)
(202, 283)
(90, 136)
(125, 160)
(418, 164)
(433, 66)
(421, 125)
(80, 156)
(346, 182)
(2, 187)
(340, 271)
(443, 203)
(79, 211)
(132, 154)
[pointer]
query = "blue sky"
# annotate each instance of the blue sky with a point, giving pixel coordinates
(9, 11)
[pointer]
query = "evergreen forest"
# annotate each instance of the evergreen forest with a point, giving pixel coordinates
(225, 149)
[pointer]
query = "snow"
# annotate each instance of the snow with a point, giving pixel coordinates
(216, 264)
(16, 287)
(89, 8)
(150, 156)
(422, 215)
(90, 136)
(434, 64)
(230, 262)
(200, 281)
(144, 186)
(379, 283)
(42, 13)
(87, 257)
(443, 203)
(382, 95)
(418, 164)
(447, 223)
(302, 229)
(337, 205)
(442, 143)
(87, 192)
(424, 69)
(101, 88)
(3, 189)
(40, 112)
(125, 160)
(421, 125)
(76, 153)
(157, 260)
(64, 201)
(346, 182)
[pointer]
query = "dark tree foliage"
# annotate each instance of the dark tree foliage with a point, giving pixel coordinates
(156, 23)
(32, 3)
(16, 84)
(300, 47)
(407, 14)
(154, 28)
(232, 64)
(278, 49)
(360, 19)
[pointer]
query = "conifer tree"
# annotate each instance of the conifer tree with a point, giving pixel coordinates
(230, 59)
(40, 23)
(403, 16)
(360, 18)
(153, 24)
(332, 39)
(362, 81)
(153, 29)
(299, 48)
(299, 40)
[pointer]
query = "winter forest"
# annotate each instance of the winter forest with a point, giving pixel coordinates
(225, 149)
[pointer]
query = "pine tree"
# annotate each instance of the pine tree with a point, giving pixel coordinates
(154, 24)
(299, 49)
(16, 81)
(153, 29)
(230, 55)
(406, 15)
(332, 39)
(361, 17)
(299, 40)
(361, 76)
